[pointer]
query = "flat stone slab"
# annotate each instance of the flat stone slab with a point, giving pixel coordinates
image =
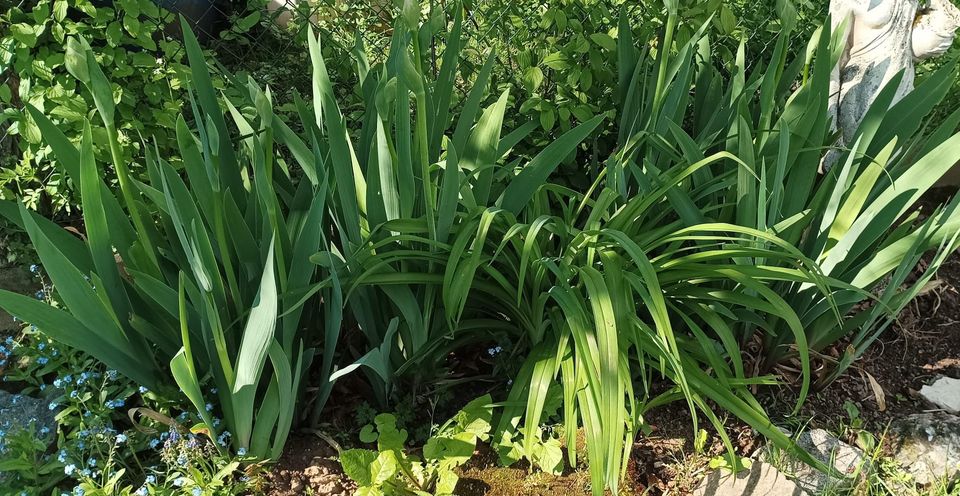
(927, 446)
(943, 393)
(762, 479)
(825, 447)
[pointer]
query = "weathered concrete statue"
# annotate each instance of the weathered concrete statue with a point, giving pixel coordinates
(883, 37)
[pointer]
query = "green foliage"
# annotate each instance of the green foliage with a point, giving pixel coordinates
(93, 445)
(389, 470)
(141, 63)
(203, 288)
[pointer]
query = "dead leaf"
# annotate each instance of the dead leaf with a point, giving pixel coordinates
(877, 392)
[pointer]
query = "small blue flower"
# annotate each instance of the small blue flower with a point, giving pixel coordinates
(213, 390)
(196, 491)
(121, 438)
(242, 452)
(68, 378)
(143, 491)
(151, 479)
(78, 491)
(182, 460)
(52, 406)
(41, 346)
(74, 394)
(42, 360)
(62, 456)
(44, 431)
(9, 341)
(112, 375)
(40, 295)
(92, 462)
(70, 469)
(180, 481)
(34, 268)
(154, 443)
(143, 390)
(209, 407)
(223, 437)
(86, 472)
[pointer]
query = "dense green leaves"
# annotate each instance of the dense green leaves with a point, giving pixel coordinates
(191, 271)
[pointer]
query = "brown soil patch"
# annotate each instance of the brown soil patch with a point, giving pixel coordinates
(308, 466)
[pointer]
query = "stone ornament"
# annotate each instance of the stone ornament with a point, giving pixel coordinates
(882, 38)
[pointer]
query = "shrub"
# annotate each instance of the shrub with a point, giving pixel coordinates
(141, 63)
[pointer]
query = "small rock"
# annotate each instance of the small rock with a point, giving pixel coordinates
(927, 445)
(944, 393)
(18, 280)
(17, 411)
(762, 479)
(825, 447)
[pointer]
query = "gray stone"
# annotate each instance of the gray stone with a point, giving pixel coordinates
(18, 280)
(762, 479)
(927, 446)
(18, 411)
(825, 447)
(944, 393)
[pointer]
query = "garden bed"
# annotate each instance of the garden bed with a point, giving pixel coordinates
(921, 345)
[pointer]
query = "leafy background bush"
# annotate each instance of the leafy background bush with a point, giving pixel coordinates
(143, 63)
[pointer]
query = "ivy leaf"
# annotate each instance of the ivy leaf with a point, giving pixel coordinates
(41, 12)
(556, 60)
(561, 20)
(244, 24)
(114, 34)
(4, 93)
(86, 6)
(532, 78)
(356, 464)
(547, 119)
(132, 25)
(130, 7)
(24, 33)
(60, 10)
(582, 113)
(728, 21)
(586, 80)
(605, 41)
